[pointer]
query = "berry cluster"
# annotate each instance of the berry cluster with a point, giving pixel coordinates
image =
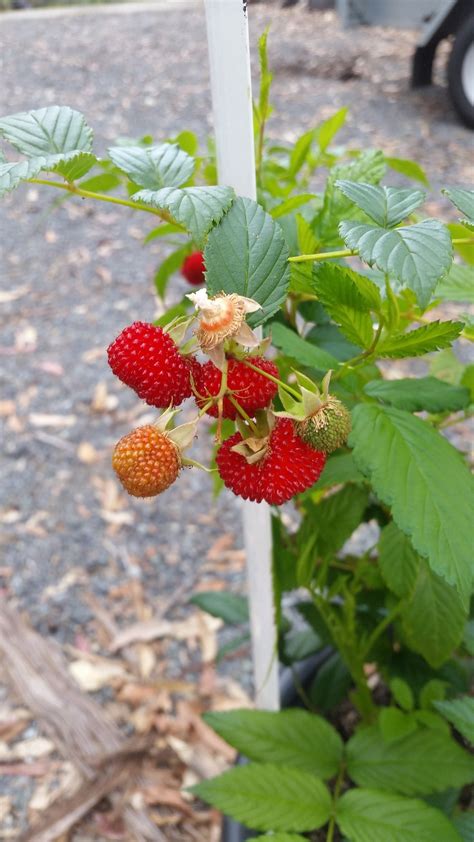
(273, 455)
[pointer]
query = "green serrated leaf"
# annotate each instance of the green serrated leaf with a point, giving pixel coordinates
(422, 340)
(291, 204)
(247, 254)
(463, 199)
(280, 837)
(402, 693)
(387, 206)
(268, 797)
(415, 470)
(460, 712)
(395, 724)
(399, 562)
(423, 762)
(47, 131)
(457, 285)
(366, 815)
(408, 168)
(101, 183)
(307, 242)
(72, 166)
(197, 209)
(338, 515)
(168, 267)
(154, 167)
(464, 824)
(11, 175)
(368, 167)
(416, 395)
(433, 691)
(433, 617)
(417, 255)
(348, 301)
(294, 738)
(230, 607)
(339, 469)
(305, 353)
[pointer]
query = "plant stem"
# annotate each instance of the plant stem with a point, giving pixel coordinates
(323, 255)
(361, 357)
(379, 630)
(269, 376)
(337, 792)
(244, 415)
(102, 197)
(459, 241)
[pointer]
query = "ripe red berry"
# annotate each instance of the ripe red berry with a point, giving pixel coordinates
(253, 391)
(146, 461)
(193, 268)
(145, 358)
(288, 467)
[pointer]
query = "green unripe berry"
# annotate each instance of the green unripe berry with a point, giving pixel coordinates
(328, 428)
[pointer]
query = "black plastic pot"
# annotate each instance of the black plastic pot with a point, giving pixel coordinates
(306, 670)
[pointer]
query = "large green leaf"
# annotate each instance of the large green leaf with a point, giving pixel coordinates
(154, 167)
(420, 341)
(417, 394)
(457, 285)
(71, 165)
(460, 712)
(280, 837)
(433, 618)
(268, 797)
(366, 815)
(339, 469)
(47, 131)
(304, 352)
(415, 470)
(348, 298)
(368, 167)
(464, 824)
(247, 254)
(338, 515)
(11, 175)
(293, 738)
(417, 255)
(399, 562)
(230, 607)
(195, 208)
(463, 199)
(424, 762)
(387, 206)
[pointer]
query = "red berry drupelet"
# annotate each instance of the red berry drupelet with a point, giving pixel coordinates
(251, 390)
(146, 358)
(193, 268)
(288, 467)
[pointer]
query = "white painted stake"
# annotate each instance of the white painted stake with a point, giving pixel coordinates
(231, 87)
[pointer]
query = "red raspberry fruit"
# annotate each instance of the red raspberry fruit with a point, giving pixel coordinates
(146, 461)
(193, 268)
(289, 467)
(145, 358)
(253, 391)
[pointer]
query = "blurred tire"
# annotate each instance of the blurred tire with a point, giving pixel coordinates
(461, 72)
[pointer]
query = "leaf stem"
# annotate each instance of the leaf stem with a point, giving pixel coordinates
(278, 382)
(323, 255)
(459, 241)
(102, 197)
(361, 357)
(379, 630)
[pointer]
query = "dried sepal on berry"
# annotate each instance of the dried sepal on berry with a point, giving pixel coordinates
(222, 318)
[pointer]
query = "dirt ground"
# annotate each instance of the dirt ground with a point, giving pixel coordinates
(72, 275)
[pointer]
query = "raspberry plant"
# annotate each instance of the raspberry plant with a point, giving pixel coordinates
(343, 281)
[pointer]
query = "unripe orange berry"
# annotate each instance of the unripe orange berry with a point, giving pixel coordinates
(146, 461)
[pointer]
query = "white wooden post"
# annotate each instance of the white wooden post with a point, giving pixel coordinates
(231, 87)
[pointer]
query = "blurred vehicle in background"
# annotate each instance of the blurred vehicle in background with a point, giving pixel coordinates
(436, 20)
